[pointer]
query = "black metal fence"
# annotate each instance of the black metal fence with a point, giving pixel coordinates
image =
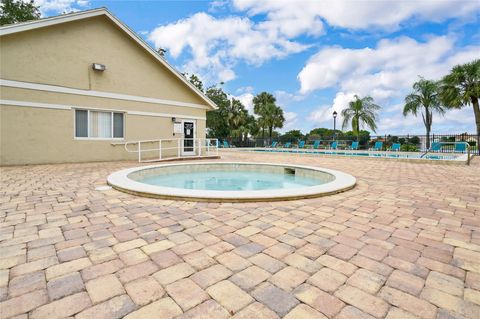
(409, 143)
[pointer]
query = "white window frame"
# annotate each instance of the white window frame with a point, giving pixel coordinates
(88, 125)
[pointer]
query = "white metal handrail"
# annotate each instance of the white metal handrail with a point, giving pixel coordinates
(208, 146)
(467, 149)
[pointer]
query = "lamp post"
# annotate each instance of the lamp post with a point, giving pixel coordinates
(334, 124)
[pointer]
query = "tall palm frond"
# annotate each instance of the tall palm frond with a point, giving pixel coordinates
(360, 112)
(425, 100)
(462, 87)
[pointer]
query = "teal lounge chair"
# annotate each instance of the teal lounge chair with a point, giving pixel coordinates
(395, 147)
(377, 147)
(274, 144)
(225, 144)
(287, 145)
(435, 147)
(460, 147)
(316, 144)
(334, 145)
(354, 146)
(301, 144)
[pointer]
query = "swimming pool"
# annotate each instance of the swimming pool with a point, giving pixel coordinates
(376, 154)
(237, 180)
(231, 181)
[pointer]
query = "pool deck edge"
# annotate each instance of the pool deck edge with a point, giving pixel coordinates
(120, 181)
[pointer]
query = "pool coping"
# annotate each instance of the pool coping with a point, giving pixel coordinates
(119, 180)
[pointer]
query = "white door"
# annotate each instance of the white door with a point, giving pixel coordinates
(188, 147)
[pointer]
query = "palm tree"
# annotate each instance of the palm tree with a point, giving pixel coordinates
(462, 87)
(360, 111)
(236, 117)
(424, 99)
(271, 118)
(260, 103)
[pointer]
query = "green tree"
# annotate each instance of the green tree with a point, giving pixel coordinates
(425, 100)
(415, 140)
(217, 124)
(321, 132)
(237, 117)
(360, 112)
(195, 80)
(272, 117)
(260, 103)
(252, 125)
(14, 11)
(230, 119)
(462, 87)
(292, 135)
(363, 136)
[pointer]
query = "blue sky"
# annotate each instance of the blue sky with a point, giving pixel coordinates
(314, 56)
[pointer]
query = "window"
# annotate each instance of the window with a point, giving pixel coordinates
(98, 124)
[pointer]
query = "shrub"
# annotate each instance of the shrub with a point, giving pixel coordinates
(408, 148)
(415, 140)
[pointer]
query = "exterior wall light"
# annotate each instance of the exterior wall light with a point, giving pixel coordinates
(99, 67)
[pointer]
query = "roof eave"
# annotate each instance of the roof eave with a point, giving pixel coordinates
(34, 24)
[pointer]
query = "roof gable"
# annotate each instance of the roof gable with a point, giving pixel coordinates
(35, 24)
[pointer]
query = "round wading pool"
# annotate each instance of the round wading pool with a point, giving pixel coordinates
(230, 182)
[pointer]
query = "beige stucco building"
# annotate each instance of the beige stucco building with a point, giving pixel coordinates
(57, 104)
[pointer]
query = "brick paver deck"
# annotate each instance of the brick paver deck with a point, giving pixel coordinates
(404, 243)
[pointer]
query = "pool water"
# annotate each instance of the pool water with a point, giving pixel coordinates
(238, 180)
(364, 154)
(231, 181)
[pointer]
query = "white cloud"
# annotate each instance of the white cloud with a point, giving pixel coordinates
(454, 121)
(391, 119)
(291, 119)
(217, 5)
(320, 114)
(271, 28)
(387, 70)
(402, 125)
(293, 18)
(217, 44)
(244, 89)
(284, 98)
(246, 95)
(49, 7)
(323, 115)
(247, 101)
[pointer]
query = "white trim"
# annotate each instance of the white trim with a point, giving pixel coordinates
(66, 107)
(123, 124)
(178, 116)
(88, 128)
(341, 182)
(9, 29)
(29, 25)
(34, 104)
(98, 139)
(88, 138)
(109, 95)
(193, 151)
